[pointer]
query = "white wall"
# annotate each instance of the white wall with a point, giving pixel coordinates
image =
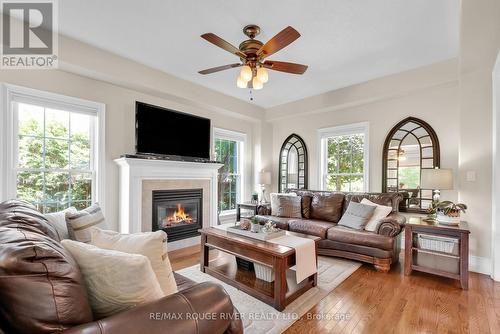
(479, 46)
(434, 100)
(495, 200)
(119, 91)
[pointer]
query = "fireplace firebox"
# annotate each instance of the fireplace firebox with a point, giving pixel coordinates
(178, 212)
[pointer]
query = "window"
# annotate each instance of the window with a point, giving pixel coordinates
(56, 150)
(228, 150)
(344, 158)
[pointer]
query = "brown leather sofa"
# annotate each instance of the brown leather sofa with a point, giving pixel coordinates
(42, 289)
(380, 248)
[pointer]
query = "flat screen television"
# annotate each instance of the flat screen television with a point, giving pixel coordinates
(163, 131)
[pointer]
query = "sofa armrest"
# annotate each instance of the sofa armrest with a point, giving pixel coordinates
(264, 210)
(391, 225)
(203, 308)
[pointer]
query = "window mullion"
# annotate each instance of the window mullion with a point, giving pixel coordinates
(44, 154)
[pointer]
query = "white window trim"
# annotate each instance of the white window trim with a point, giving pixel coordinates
(242, 139)
(343, 130)
(11, 93)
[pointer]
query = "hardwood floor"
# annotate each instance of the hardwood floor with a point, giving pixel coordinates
(373, 302)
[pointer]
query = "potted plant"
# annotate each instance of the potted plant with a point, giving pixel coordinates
(255, 197)
(255, 225)
(448, 212)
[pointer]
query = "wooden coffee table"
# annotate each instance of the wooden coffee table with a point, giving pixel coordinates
(279, 293)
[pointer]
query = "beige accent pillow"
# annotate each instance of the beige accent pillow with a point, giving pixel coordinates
(381, 211)
(152, 245)
(289, 206)
(274, 201)
(115, 281)
(58, 221)
(80, 222)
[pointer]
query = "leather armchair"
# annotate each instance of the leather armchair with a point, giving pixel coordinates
(203, 308)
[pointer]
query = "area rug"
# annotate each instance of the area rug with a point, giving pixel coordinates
(259, 318)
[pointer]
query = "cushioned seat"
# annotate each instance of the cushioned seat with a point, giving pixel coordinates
(364, 238)
(310, 226)
(281, 222)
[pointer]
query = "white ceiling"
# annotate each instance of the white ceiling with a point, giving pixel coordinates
(344, 42)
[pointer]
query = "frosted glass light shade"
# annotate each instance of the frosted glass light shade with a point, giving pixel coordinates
(257, 84)
(262, 75)
(246, 73)
(241, 83)
(440, 179)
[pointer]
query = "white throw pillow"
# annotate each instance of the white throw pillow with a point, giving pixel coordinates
(115, 281)
(275, 203)
(153, 245)
(58, 221)
(80, 222)
(381, 211)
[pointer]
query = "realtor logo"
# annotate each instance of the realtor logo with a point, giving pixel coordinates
(29, 34)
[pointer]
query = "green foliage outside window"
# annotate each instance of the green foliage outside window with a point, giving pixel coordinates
(345, 163)
(226, 152)
(54, 159)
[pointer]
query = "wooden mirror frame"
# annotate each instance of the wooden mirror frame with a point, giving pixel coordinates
(297, 142)
(435, 155)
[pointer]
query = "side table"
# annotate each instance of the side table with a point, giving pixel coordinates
(437, 249)
(249, 206)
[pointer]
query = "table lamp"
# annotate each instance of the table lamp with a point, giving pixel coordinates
(263, 179)
(437, 180)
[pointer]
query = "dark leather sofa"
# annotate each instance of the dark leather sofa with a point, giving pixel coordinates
(380, 248)
(42, 289)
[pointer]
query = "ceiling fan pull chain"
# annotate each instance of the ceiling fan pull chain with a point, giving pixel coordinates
(250, 93)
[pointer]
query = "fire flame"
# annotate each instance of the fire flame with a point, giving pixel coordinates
(179, 216)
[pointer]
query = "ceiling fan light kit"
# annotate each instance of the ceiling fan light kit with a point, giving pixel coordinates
(252, 54)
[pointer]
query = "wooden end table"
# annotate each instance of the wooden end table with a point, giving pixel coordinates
(454, 264)
(279, 293)
(249, 206)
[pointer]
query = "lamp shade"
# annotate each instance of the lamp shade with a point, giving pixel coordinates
(264, 178)
(440, 179)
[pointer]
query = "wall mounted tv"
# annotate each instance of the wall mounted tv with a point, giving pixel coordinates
(168, 132)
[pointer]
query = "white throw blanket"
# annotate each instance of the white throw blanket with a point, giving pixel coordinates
(305, 255)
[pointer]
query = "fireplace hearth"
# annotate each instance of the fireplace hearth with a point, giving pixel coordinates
(178, 212)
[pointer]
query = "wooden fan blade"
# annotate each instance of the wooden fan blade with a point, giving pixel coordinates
(278, 42)
(283, 66)
(219, 68)
(216, 40)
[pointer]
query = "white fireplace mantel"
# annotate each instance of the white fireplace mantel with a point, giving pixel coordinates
(134, 171)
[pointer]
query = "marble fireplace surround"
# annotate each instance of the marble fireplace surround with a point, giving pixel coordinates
(138, 179)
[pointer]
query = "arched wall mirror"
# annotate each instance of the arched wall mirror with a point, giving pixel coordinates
(293, 164)
(411, 145)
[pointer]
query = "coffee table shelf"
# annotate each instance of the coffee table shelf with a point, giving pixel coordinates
(279, 293)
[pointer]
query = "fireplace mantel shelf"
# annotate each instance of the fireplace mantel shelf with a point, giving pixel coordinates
(134, 171)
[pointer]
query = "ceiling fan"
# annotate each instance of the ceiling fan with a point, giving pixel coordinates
(253, 54)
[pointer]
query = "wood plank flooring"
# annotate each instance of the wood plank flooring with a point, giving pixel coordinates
(373, 302)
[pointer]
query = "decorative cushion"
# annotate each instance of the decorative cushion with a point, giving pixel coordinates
(381, 211)
(275, 203)
(152, 245)
(41, 287)
(357, 215)
(58, 221)
(306, 206)
(327, 207)
(116, 281)
(289, 206)
(80, 222)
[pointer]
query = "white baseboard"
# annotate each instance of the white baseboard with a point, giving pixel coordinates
(479, 264)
